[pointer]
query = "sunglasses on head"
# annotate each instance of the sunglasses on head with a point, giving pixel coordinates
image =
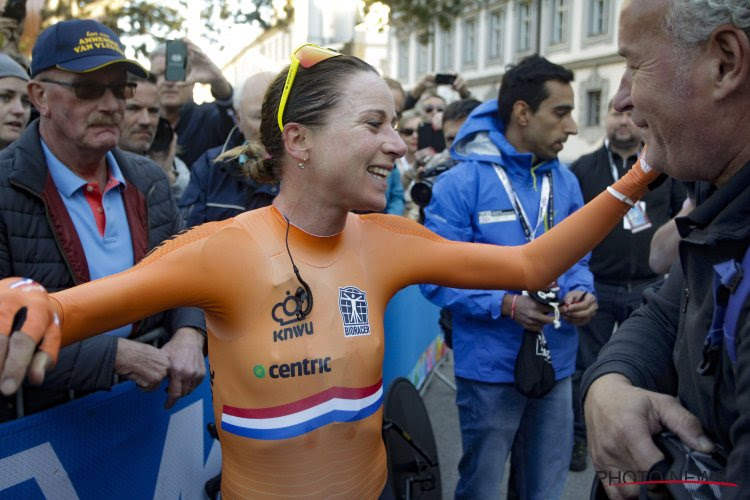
(407, 131)
(430, 109)
(92, 91)
(307, 55)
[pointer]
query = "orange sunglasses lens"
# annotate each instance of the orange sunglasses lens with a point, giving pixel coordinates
(310, 55)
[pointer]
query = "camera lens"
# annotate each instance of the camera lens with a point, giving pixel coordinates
(421, 193)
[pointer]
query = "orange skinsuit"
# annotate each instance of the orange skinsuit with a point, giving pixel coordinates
(298, 403)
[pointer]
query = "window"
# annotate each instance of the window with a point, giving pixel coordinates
(496, 19)
(598, 17)
(469, 57)
(525, 27)
(446, 50)
(423, 59)
(593, 107)
(403, 59)
(559, 22)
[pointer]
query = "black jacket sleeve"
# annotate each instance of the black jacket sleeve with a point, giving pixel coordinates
(739, 459)
(641, 348)
(86, 366)
(185, 316)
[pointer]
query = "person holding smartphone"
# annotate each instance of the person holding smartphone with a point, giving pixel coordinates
(301, 416)
(199, 127)
(431, 80)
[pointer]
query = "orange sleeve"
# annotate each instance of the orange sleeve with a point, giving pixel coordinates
(429, 258)
(171, 275)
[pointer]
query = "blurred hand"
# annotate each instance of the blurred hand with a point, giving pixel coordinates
(200, 68)
(529, 313)
(186, 365)
(578, 307)
(26, 317)
(620, 420)
(437, 121)
(459, 85)
(422, 156)
(144, 364)
(427, 82)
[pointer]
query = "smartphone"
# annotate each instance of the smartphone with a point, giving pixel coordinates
(176, 61)
(444, 78)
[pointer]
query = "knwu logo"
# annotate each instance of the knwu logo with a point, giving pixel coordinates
(354, 313)
(285, 313)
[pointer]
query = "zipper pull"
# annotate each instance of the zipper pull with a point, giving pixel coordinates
(687, 297)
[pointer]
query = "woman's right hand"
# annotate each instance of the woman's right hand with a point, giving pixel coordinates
(27, 317)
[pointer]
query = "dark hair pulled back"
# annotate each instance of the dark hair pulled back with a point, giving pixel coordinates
(316, 90)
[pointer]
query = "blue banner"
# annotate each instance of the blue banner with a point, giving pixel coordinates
(122, 444)
(117, 444)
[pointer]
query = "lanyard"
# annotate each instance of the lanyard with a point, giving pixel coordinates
(546, 201)
(615, 173)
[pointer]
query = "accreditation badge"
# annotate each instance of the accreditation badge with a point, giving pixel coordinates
(636, 219)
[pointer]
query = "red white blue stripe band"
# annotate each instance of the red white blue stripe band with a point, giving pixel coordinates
(335, 404)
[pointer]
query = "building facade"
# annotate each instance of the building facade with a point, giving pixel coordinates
(337, 24)
(490, 34)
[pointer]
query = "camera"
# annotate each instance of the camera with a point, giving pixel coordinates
(444, 78)
(421, 191)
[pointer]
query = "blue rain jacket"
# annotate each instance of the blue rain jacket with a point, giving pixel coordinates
(484, 342)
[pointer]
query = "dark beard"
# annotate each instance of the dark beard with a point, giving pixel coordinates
(624, 145)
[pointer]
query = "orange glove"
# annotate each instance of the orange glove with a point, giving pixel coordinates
(27, 316)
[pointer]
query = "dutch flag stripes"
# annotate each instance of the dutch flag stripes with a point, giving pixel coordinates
(335, 404)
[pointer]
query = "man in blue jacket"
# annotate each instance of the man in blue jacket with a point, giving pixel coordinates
(507, 189)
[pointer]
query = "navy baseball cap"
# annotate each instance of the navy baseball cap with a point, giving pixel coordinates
(80, 46)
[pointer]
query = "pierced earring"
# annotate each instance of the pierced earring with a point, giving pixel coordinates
(301, 165)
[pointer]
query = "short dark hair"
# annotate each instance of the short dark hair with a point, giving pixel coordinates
(526, 81)
(458, 110)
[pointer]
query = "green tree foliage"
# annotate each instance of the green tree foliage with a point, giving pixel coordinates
(140, 19)
(133, 19)
(421, 16)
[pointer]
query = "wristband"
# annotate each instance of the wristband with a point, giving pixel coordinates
(513, 307)
(620, 197)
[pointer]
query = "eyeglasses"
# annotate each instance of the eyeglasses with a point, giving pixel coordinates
(430, 109)
(93, 91)
(407, 131)
(308, 55)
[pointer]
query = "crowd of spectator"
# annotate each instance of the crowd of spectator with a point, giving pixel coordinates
(118, 159)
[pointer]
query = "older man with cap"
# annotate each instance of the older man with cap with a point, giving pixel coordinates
(14, 100)
(74, 208)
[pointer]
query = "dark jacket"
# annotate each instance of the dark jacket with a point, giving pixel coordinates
(220, 190)
(623, 255)
(201, 127)
(38, 241)
(661, 346)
